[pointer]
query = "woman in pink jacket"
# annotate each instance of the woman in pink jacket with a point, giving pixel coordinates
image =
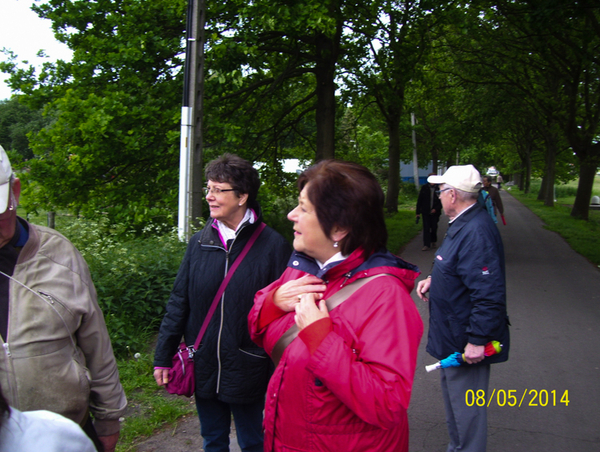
(344, 382)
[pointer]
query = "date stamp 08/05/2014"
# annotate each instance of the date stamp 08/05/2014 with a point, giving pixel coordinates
(517, 398)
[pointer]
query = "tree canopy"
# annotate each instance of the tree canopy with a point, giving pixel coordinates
(510, 83)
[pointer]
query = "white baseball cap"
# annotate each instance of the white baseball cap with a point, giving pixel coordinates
(462, 177)
(5, 173)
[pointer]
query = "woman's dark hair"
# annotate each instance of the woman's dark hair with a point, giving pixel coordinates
(4, 409)
(237, 172)
(348, 196)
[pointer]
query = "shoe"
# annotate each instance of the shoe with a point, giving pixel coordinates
(425, 248)
(434, 245)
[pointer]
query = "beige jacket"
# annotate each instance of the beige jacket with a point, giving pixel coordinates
(58, 355)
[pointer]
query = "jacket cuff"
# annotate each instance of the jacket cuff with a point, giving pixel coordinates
(314, 333)
(269, 311)
(105, 427)
(477, 340)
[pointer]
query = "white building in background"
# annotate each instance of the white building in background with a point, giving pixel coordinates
(406, 173)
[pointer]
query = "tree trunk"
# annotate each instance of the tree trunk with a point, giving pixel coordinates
(528, 173)
(541, 193)
(391, 202)
(587, 173)
(325, 115)
(547, 191)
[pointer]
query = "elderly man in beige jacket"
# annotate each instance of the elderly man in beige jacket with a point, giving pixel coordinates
(57, 354)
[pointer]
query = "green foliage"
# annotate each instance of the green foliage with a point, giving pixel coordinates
(402, 229)
(17, 121)
(133, 277)
(276, 204)
(148, 404)
(111, 145)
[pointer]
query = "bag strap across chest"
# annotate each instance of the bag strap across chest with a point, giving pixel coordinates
(332, 302)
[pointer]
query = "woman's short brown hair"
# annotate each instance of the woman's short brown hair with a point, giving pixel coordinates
(237, 172)
(348, 196)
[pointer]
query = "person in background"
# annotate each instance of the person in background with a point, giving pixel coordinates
(231, 371)
(57, 351)
(499, 181)
(430, 207)
(345, 382)
(467, 304)
(39, 431)
(494, 195)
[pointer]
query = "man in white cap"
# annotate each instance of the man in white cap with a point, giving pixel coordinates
(57, 354)
(467, 304)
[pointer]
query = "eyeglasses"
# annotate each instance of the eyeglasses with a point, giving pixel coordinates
(439, 192)
(215, 190)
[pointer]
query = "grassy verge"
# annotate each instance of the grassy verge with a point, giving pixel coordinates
(582, 236)
(150, 407)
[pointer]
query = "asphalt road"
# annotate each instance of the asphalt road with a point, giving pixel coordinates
(554, 309)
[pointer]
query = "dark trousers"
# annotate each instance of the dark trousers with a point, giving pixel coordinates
(467, 421)
(430, 226)
(215, 424)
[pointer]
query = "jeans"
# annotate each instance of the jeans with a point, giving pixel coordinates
(215, 424)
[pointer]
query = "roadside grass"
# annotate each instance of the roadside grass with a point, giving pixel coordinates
(582, 236)
(150, 408)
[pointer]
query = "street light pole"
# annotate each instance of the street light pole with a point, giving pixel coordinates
(191, 155)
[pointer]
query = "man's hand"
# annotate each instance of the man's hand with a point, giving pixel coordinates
(161, 376)
(109, 442)
(474, 353)
(423, 288)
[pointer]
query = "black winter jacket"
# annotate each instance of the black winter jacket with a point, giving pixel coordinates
(424, 201)
(228, 365)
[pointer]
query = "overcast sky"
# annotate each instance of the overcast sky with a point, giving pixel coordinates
(23, 32)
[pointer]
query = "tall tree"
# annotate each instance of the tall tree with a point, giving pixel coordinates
(276, 54)
(393, 36)
(112, 145)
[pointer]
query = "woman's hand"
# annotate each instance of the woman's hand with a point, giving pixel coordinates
(161, 376)
(308, 312)
(288, 295)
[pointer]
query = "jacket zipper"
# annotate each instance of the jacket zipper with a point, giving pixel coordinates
(227, 251)
(221, 322)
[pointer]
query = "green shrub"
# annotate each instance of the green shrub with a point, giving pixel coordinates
(133, 277)
(401, 229)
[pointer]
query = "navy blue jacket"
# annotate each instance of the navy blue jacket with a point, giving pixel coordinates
(228, 365)
(467, 297)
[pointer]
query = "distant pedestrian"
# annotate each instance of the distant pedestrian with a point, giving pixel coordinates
(430, 208)
(494, 195)
(467, 304)
(499, 181)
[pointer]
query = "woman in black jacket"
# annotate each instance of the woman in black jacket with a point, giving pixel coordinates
(231, 371)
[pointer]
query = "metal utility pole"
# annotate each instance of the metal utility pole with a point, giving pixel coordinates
(415, 161)
(190, 160)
